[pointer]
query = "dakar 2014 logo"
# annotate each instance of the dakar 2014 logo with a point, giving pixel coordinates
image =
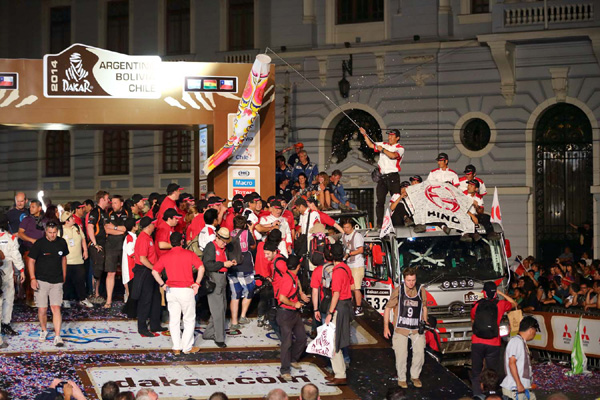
(75, 76)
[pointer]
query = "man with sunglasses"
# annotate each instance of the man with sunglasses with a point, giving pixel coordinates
(47, 265)
(391, 154)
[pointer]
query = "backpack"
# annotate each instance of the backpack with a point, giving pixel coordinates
(193, 246)
(485, 324)
(238, 246)
(318, 247)
(326, 279)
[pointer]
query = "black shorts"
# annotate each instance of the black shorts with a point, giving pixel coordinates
(113, 256)
(97, 261)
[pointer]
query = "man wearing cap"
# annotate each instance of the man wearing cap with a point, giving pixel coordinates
(9, 248)
(218, 203)
(293, 158)
(276, 221)
(401, 208)
(476, 211)
(517, 362)
(252, 201)
(470, 172)
(311, 170)
(180, 289)
(489, 349)
(217, 264)
(164, 229)
(391, 154)
(97, 236)
(340, 311)
(415, 179)
(116, 232)
(137, 209)
(443, 173)
(144, 288)
(78, 211)
(173, 193)
(289, 318)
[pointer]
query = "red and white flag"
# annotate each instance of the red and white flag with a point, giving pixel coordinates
(517, 266)
(386, 227)
(496, 215)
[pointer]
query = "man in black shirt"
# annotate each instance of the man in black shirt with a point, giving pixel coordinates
(17, 213)
(47, 266)
(97, 237)
(116, 232)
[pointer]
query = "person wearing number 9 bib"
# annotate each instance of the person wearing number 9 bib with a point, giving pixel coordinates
(408, 302)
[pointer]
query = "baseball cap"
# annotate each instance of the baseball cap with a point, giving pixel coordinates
(393, 132)
(153, 196)
(276, 204)
(299, 144)
(474, 182)
(145, 221)
(173, 187)
(404, 184)
(270, 246)
(65, 216)
(490, 288)
(416, 178)
(238, 206)
(442, 156)
(137, 197)
(293, 261)
(337, 251)
(238, 197)
(470, 169)
(171, 213)
(215, 200)
(186, 196)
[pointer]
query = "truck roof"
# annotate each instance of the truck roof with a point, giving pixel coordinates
(432, 231)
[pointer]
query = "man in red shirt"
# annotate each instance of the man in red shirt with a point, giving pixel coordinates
(341, 311)
(293, 335)
(173, 193)
(78, 211)
(164, 228)
(488, 349)
(180, 290)
(145, 290)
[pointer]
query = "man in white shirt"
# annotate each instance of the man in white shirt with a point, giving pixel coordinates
(276, 221)
(476, 211)
(389, 167)
(354, 244)
(208, 233)
(252, 201)
(517, 362)
(470, 172)
(443, 173)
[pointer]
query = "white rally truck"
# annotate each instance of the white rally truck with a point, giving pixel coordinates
(452, 271)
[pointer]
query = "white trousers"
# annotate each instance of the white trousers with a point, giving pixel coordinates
(180, 302)
(8, 292)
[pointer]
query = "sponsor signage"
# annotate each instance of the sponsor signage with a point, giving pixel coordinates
(90, 72)
(9, 81)
(241, 380)
(212, 84)
(377, 294)
(243, 180)
(564, 328)
(249, 151)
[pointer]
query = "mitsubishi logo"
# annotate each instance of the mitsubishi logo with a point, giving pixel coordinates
(566, 333)
(585, 336)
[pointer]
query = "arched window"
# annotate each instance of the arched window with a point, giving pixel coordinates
(345, 129)
(58, 153)
(563, 176)
(177, 151)
(115, 156)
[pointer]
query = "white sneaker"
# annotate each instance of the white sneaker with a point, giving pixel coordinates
(43, 336)
(66, 304)
(86, 303)
(58, 342)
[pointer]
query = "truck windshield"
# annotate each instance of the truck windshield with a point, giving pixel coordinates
(444, 257)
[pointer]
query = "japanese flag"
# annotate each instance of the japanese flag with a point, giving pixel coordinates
(496, 215)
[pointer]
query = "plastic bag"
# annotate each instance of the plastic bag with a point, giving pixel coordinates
(324, 343)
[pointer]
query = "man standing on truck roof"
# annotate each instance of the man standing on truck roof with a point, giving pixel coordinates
(408, 302)
(389, 167)
(486, 342)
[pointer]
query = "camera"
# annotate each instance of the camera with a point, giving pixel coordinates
(265, 283)
(422, 327)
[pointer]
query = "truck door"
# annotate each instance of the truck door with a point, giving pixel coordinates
(379, 276)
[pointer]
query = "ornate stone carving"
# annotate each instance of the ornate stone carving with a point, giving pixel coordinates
(419, 78)
(560, 81)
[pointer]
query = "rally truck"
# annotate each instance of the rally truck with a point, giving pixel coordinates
(452, 271)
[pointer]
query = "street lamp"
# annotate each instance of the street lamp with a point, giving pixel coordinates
(343, 84)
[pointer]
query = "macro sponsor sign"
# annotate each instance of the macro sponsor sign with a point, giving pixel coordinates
(90, 72)
(182, 381)
(243, 180)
